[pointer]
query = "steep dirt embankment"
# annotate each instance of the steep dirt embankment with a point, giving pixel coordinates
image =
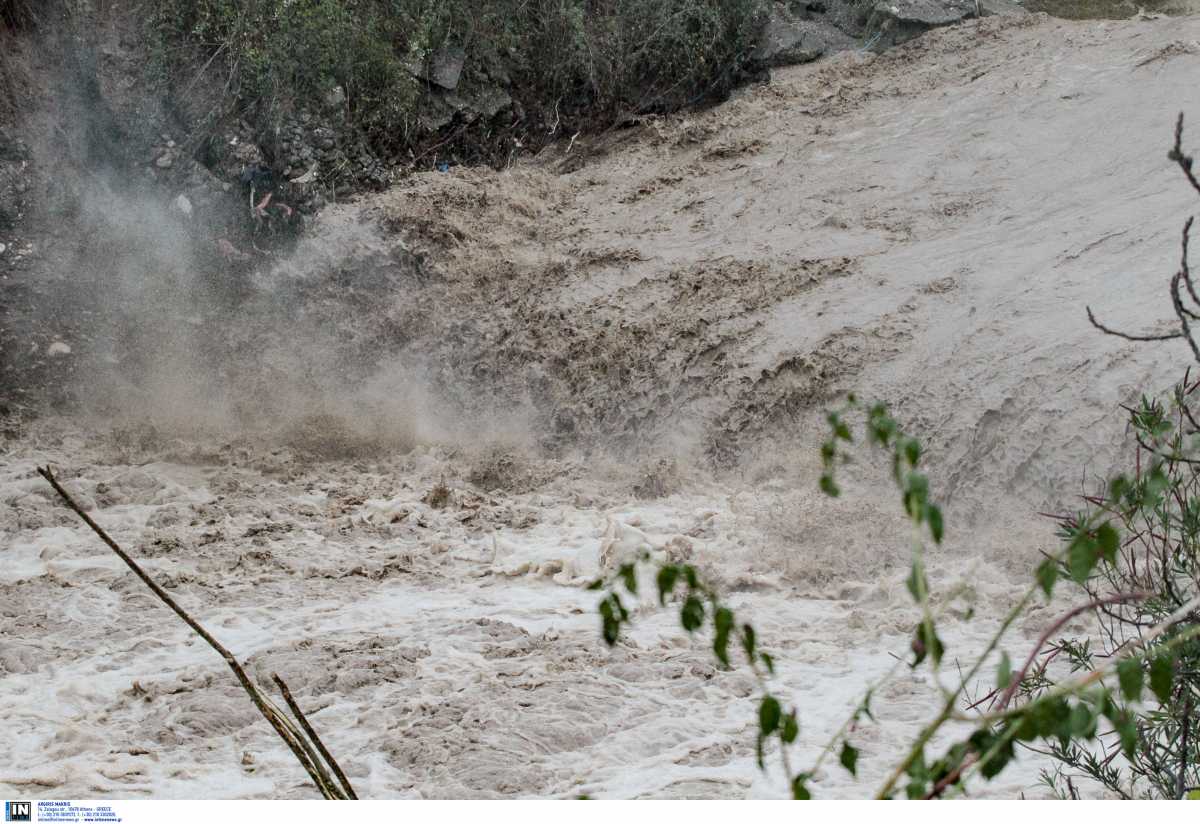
(923, 226)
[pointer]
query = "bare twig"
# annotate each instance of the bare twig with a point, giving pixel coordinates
(1180, 313)
(316, 739)
(1019, 676)
(1139, 338)
(1176, 154)
(1181, 778)
(275, 717)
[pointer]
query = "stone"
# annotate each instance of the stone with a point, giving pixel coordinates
(165, 161)
(892, 22)
(490, 101)
(183, 205)
(788, 40)
(446, 67)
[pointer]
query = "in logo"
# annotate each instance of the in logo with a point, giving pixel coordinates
(18, 811)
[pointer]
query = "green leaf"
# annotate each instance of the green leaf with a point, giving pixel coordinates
(1049, 716)
(933, 515)
(828, 486)
(828, 453)
(768, 662)
(622, 613)
(748, 641)
(800, 789)
(912, 451)
(1194, 795)
(723, 625)
(1047, 574)
(692, 614)
(628, 573)
(916, 496)
(596, 584)
(1109, 541)
(1118, 488)
(998, 761)
(1082, 722)
(1081, 557)
(1130, 675)
(1162, 674)
(840, 430)
(865, 706)
(769, 715)
(667, 577)
(849, 758)
(1004, 673)
(611, 616)
(791, 728)
(1126, 726)
(916, 583)
(926, 642)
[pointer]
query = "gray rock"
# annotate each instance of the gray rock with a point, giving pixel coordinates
(446, 67)
(892, 22)
(489, 102)
(787, 39)
(165, 160)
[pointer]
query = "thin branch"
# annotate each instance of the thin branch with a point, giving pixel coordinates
(951, 777)
(1019, 676)
(1179, 312)
(1183, 264)
(312, 734)
(1181, 778)
(274, 717)
(1139, 338)
(1176, 154)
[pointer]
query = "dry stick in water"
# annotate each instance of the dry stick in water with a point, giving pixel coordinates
(312, 734)
(281, 724)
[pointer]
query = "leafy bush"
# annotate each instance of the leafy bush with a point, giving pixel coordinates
(277, 53)
(1156, 573)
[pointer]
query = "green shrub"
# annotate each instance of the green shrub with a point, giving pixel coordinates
(1156, 571)
(571, 64)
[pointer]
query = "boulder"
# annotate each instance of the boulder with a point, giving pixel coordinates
(789, 38)
(446, 67)
(892, 22)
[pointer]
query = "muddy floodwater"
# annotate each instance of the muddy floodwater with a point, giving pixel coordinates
(389, 471)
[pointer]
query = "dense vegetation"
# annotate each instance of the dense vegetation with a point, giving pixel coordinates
(569, 64)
